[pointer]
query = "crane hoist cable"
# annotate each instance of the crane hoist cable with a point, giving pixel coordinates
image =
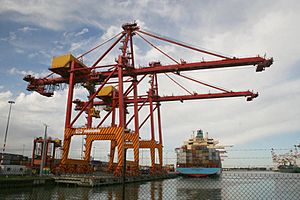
(178, 84)
(99, 45)
(157, 48)
(183, 45)
(201, 82)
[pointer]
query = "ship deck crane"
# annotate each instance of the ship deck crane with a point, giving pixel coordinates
(115, 87)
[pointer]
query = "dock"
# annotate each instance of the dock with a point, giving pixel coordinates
(94, 181)
(24, 181)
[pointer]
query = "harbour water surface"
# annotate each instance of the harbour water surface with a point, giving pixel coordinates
(231, 185)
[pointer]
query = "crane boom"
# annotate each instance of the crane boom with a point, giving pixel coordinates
(250, 95)
(96, 77)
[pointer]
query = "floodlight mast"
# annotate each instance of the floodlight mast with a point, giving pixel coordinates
(6, 131)
(115, 88)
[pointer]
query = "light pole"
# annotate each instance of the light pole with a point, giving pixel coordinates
(23, 149)
(44, 157)
(6, 130)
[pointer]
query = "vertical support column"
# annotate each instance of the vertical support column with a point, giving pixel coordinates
(67, 138)
(136, 123)
(91, 90)
(70, 95)
(113, 114)
(120, 96)
(159, 123)
(121, 144)
(66, 147)
(136, 142)
(53, 155)
(121, 151)
(33, 152)
(151, 115)
(160, 150)
(88, 148)
(152, 148)
(121, 147)
(46, 153)
(113, 145)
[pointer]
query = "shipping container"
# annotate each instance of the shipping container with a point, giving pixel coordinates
(13, 170)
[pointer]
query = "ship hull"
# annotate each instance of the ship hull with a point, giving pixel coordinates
(198, 171)
(289, 169)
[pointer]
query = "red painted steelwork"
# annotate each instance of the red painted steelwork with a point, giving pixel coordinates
(126, 79)
(188, 97)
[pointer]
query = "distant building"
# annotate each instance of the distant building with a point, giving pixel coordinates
(14, 159)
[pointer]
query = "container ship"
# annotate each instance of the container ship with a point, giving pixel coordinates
(199, 156)
(288, 162)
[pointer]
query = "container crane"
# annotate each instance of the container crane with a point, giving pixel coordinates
(115, 88)
(51, 146)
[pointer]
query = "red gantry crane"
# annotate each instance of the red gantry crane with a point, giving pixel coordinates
(50, 148)
(114, 87)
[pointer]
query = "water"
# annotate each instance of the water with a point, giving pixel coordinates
(231, 185)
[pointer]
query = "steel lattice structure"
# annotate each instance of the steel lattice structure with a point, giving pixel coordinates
(106, 87)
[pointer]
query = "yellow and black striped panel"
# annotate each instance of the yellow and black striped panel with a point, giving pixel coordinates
(119, 139)
(113, 145)
(97, 131)
(107, 133)
(135, 141)
(88, 148)
(66, 146)
(68, 132)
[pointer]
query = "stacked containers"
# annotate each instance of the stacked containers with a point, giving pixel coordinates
(13, 159)
(195, 152)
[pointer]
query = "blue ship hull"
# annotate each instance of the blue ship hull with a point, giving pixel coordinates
(198, 172)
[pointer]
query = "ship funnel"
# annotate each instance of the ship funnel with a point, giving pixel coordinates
(199, 134)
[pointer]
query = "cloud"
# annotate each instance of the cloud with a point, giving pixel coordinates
(12, 36)
(83, 31)
(27, 29)
(35, 13)
(238, 121)
(61, 15)
(5, 96)
(110, 32)
(75, 46)
(30, 112)
(19, 40)
(71, 35)
(16, 71)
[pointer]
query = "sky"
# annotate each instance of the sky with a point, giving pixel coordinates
(32, 32)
